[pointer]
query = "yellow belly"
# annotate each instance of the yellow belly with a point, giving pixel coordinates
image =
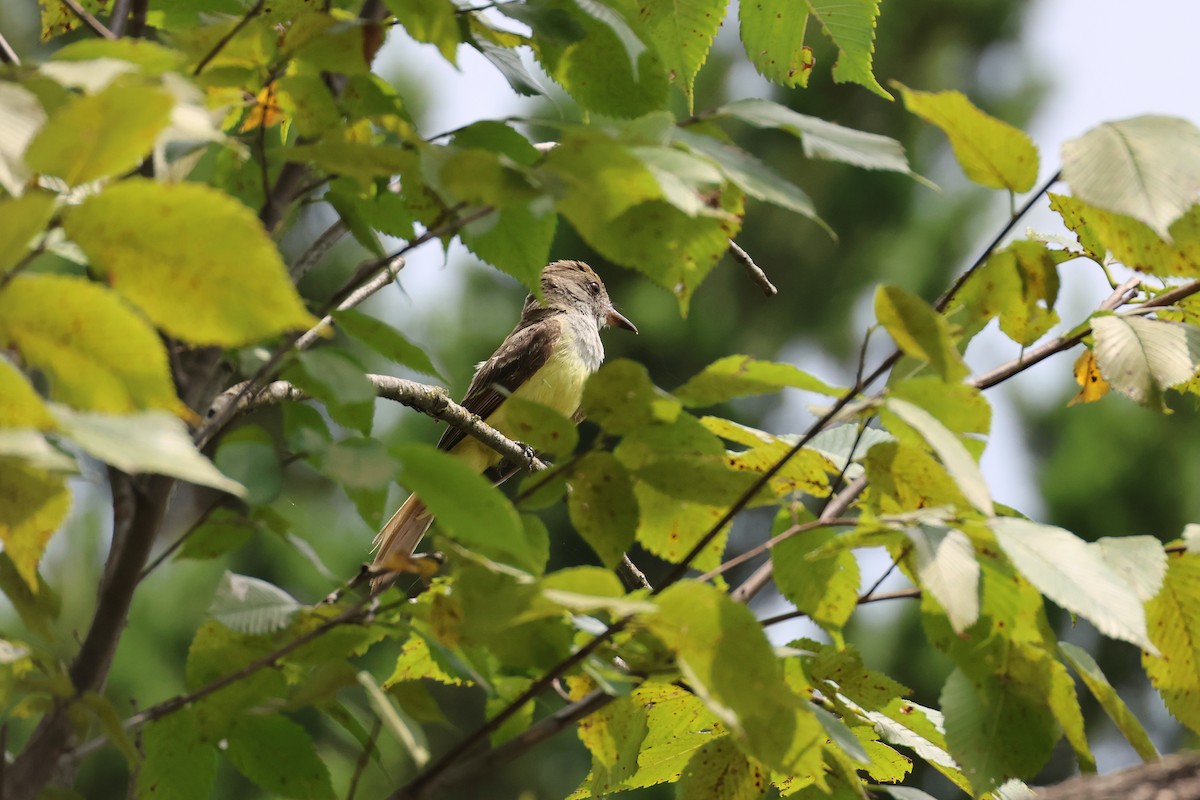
(558, 385)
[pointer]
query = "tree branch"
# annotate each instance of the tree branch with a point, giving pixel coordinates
(7, 54)
(95, 25)
(430, 400)
(753, 270)
(34, 766)
(219, 412)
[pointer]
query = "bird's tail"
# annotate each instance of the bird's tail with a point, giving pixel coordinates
(399, 538)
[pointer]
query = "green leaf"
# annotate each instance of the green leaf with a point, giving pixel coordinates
(1146, 167)
(217, 652)
(725, 658)
(338, 381)
(742, 376)
(720, 771)
(223, 532)
(248, 456)
(613, 735)
(20, 404)
(823, 587)
(58, 18)
(468, 508)
(156, 242)
(621, 398)
(1065, 569)
(945, 566)
(21, 219)
(539, 426)
(1142, 357)
(417, 661)
(851, 26)
(1131, 242)
(1090, 673)
(150, 57)
(822, 139)
(385, 340)
(249, 605)
(919, 331)
(905, 478)
(279, 756)
(591, 589)
(1173, 618)
(682, 31)
(432, 21)
(359, 463)
(33, 503)
(358, 160)
(178, 762)
(992, 153)
(609, 70)
(949, 448)
(120, 366)
(149, 441)
(669, 527)
(515, 239)
(98, 135)
(751, 175)
(1019, 284)
(919, 729)
(975, 711)
(773, 35)
(602, 505)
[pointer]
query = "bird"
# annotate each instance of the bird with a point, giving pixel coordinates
(546, 359)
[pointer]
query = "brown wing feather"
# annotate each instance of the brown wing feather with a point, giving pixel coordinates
(521, 355)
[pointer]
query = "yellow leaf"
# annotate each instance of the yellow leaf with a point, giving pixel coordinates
(97, 352)
(33, 503)
(1173, 620)
(991, 152)
(265, 111)
(1087, 375)
(20, 405)
(170, 247)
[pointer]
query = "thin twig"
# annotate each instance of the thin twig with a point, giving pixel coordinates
(360, 611)
(7, 54)
(944, 302)
(254, 11)
(318, 249)
(631, 569)
(364, 758)
(879, 581)
(97, 27)
(161, 558)
(771, 543)
(753, 270)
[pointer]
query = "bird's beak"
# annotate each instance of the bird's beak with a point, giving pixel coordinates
(618, 320)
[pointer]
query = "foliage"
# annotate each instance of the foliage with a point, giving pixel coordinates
(146, 302)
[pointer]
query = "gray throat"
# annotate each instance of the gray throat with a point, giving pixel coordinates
(585, 337)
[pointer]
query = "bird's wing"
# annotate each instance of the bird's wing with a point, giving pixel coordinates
(519, 357)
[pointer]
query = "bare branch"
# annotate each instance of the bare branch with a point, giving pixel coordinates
(753, 270)
(95, 25)
(430, 400)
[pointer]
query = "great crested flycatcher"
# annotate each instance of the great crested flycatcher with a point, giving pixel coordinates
(546, 359)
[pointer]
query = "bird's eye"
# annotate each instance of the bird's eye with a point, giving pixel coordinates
(594, 288)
